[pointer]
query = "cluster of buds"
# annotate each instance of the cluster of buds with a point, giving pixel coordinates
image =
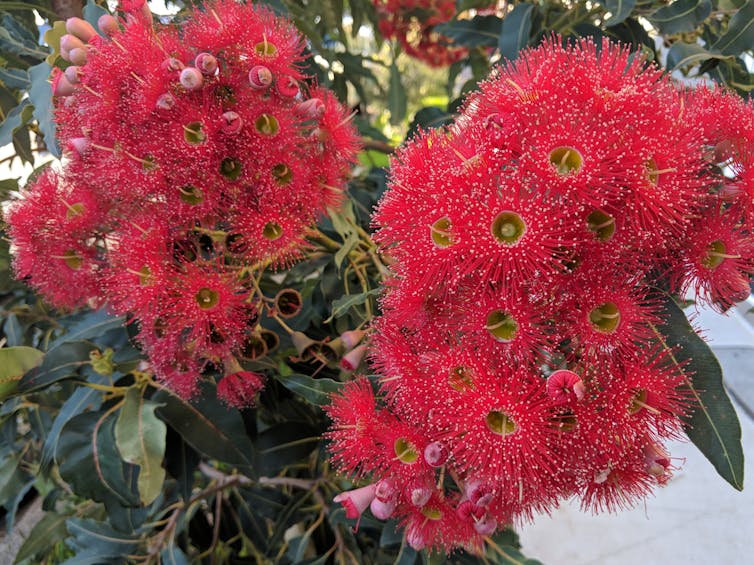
(412, 23)
(520, 351)
(196, 157)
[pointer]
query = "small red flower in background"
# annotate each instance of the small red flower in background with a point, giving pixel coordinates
(240, 389)
(518, 346)
(196, 152)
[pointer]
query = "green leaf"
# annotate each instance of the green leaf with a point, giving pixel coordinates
(83, 398)
(172, 555)
(740, 34)
(46, 533)
(344, 222)
(316, 391)
(285, 444)
(14, 363)
(52, 38)
(17, 79)
(207, 425)
(96, 542)
(514, 33)
(40, 95)
(682, 55)
(89, 460)
(86, 325)
(342, 305)
(619, 10)
(396, 96)
(60, 363)
(16, 39)
(140, 437)
(479, 31)
(680, 16)
(14, 332)
(713, 426)
(13, 121)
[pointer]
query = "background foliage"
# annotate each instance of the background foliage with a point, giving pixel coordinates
(130, 472)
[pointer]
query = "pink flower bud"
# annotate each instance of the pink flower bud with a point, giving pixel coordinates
(353, 358)
(173, 65)
(312, 109)
(351, 338)
(356, 501)
(108, 25)
(232, 123)
(416, 539)
(191, 78)
(165, 102)
(564, 385)
(68, 42)
(60, 85)
(382, 510)
(260, 77)
(420, 496)
(78, 56)
(206, 63)
(287, 86)
(387, 490)
(436, 454)
(80, 28)
(72, 74)
(486, 525)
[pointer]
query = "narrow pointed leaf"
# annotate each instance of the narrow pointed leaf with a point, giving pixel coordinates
(396, 96)
(14, 363)
(620, 10)
(40, 95)
(46, 533)
(713, 425)
(740, 34)
(61, 363)
(514, 34)
(680, 16)
(316, 391)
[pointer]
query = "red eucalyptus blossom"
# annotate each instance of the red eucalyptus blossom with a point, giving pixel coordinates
(518, 348)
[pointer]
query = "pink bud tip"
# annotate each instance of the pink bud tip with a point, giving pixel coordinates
(387, 490)
(60, 85)
(108, 25)
(382, 510)
(420, 496)
(191, 78)
(78, 56)
(80, 28)
(72, 74)
(356, 501)
(287, 86)
(351, 338)
(232, 123)
(436, 454)
(353, 358)
(260, 77)
(206, 63)
(312, 109)
(68, 42)
(165, 102)
(78, 144)
(486, 525)
(173, 65)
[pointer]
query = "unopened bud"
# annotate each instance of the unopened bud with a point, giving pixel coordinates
(165, 102)
(108, 25)
(80, 28)
(312, 109)
(72, 74)
(287, 86)
(260, 77)
(191, 78)
(232, 123)
(564, 385)
(68, 42)
(78, 56)
(61, 86)
(382, 510)
(387, 490)
(420, 496)
(436, 454)
(353, 358)
(173, 65)
(351, 338)
(206, 63)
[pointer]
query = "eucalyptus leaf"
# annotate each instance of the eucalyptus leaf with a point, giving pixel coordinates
(87, 325)
(14, 363)
(479, 31)
(13, 121)
(315, 391)
(43, 536)
(514, 33)
(680, 16)
(96, 542)
(140, 437)
(396, 96)
(740, 34)
(682, 55)
(40, 95)
(619, 10)
(342, 305)
(713, 425)
(60, 363)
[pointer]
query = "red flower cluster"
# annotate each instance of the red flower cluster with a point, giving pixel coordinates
(413, 23)
(518, 349)
(197, 156)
